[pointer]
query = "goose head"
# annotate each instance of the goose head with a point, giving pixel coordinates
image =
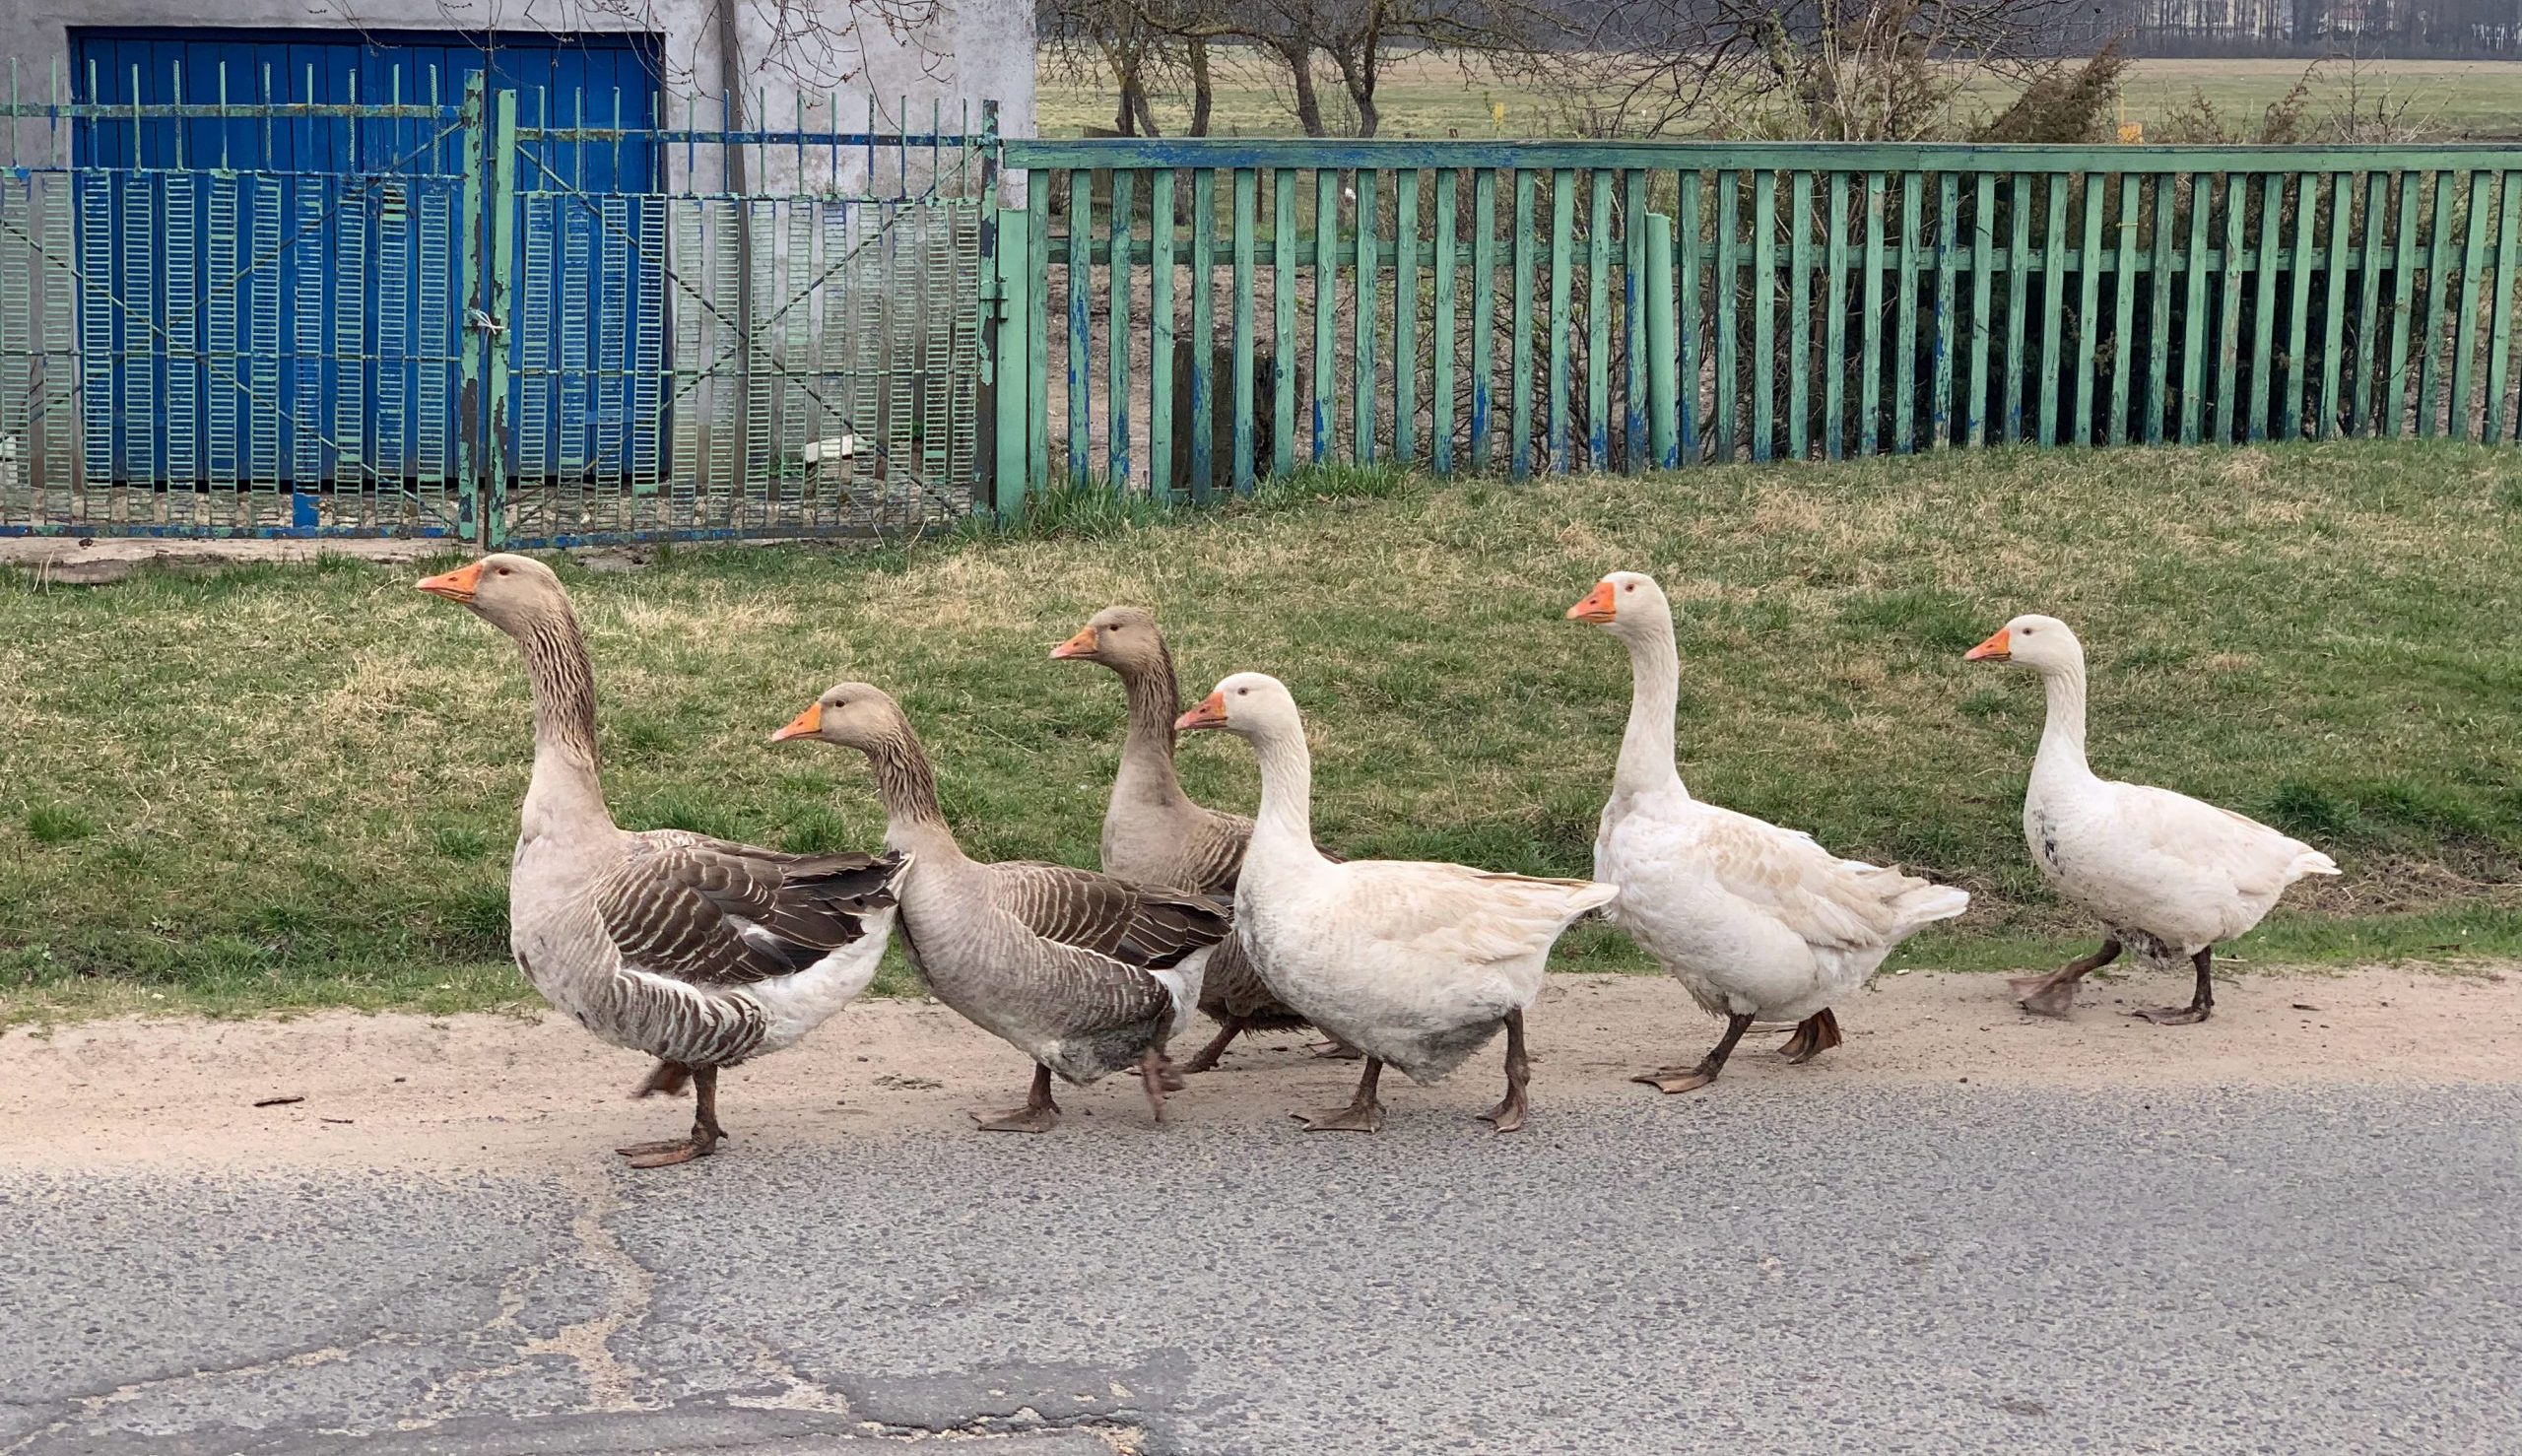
(857, 715)
(1122, 639)
(1626, 604)
(510, 592)
(2042, 643)
(1247, 705)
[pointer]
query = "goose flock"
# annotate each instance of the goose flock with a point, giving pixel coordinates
(704, 954)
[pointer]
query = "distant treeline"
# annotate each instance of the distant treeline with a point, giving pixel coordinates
(2373, 28)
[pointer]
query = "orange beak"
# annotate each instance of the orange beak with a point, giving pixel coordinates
(805, 725)
(1997, 648)
(1210, 714)
(1081, 646)
(457, 585)
(1598, 605)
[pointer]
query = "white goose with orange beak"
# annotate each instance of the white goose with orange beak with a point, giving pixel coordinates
(2168, 876)
(1413, 962)
(1756, 922)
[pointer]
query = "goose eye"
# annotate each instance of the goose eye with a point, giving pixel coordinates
(1629, 586)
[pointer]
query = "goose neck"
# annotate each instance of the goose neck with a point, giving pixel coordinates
(1286, 815)
(914, 822)
(2062, 736)
(1655, 683)
(566, 790)
(1146, 753)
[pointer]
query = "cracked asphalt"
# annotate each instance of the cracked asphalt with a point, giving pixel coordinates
(1814, 1268)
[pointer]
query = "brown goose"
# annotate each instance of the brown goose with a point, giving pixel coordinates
(1155, 834)
(700, 951)
(1080, 971)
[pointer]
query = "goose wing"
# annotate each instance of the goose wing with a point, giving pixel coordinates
(1147, 928)
(711, 913)
(1788, 875)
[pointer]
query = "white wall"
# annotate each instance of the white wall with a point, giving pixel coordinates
(974, 49)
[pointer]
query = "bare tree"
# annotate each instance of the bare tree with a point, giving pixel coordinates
(1823, 70)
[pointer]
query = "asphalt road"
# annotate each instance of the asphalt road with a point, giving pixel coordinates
(1875, 1269)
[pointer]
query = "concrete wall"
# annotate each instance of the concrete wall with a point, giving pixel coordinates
(972, 50)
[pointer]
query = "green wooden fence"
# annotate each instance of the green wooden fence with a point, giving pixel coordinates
(1185, 317)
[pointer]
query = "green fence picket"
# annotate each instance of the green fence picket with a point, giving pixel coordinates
(1983, 224)
(2289, 418)
(2123, 318)
(1869, 387)
(1634, 307)
(2053, 300)
(1834, 328)
(1442, 374)
(1799, 317)
(1405, 316)
(1721, 286)
(1326, 306)
(1364, 379)
(1663, 403)
(1080, 277)
(2228, 323)
(2018, 302)
(1763, 312)
(2088, 306)
(1598, 352)
(1685, 259)
(1204, 332)
(2508, 268)
(1947, 253)
(1117, 333)
(1284, 286)
(2193, 343)
(1904, 337)
(2272, 212)
(1247, 211)
(2369, 324)
(2403, 298)
(2341, 205)
(2465, 317)
(1161, 336)
(1562, 235)
(2439, 263)
(1484, 310)
(1519, 373)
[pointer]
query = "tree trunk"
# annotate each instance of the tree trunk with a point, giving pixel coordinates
(1204, 88)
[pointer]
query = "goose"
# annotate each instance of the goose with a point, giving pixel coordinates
(700, 951)
(1153, 834)
(2168, 874)
(1080, 971)
(1417, 964)
(1756, 922)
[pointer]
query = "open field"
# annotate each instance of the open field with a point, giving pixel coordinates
(289, 785)
(1432, 96)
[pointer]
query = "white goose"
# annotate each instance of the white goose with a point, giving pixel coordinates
(1760, 923)
(2165, 874)
(1414, 963)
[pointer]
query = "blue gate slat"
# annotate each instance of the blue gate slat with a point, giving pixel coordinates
(287, 369)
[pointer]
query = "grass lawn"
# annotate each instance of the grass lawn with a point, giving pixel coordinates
(1432, 96)
(280, 786)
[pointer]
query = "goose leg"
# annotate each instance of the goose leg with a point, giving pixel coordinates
(1813, 1036)
(1333, 1050)
(2054, 994)
(1207, 1059)
(1364, 1114)
(1158, 1076)
(2201, 1005)
(1508, 1116)
(1039, 1114)
(1692, 1078)
(705, 1132)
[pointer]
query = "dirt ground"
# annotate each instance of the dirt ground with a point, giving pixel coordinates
(492, 1092)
